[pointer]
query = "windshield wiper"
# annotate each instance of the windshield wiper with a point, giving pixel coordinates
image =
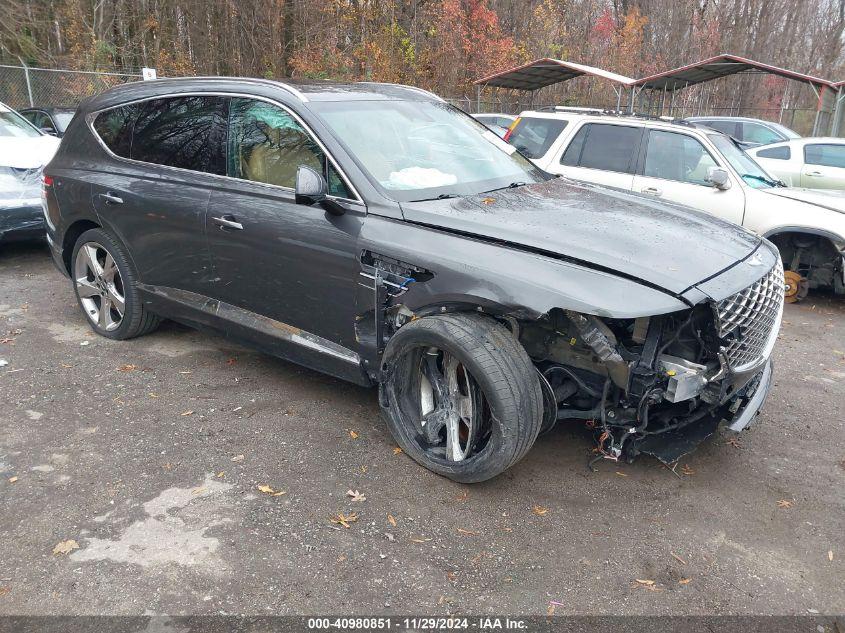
(771, 183)
(442, 196)
(513, 185)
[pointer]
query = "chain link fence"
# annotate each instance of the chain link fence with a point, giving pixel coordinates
(25, 87)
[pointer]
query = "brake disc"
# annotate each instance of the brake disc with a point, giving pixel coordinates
(796, 287)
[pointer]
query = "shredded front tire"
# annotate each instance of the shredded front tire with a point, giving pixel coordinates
(461, 395)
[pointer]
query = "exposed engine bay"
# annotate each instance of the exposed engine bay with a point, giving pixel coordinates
(656, 385)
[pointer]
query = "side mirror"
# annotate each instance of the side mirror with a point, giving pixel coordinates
(719, 178)
(311, 188)
(49, 130)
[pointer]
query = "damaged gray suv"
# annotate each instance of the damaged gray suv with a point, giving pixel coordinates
(377, 234)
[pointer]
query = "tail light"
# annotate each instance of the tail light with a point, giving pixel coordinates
(512, 127)
(47, 181)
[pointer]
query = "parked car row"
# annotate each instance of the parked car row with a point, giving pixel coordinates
(695, 165)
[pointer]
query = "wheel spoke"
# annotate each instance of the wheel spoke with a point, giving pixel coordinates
(104, 318)
(86, 289)
(109, 268)
(454, 452)
(435, 376)
(91, 260)
(117, 300)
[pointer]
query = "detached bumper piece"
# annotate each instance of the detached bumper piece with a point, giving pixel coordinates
(739, 412)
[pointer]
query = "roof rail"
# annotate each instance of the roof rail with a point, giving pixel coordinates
(616, 113)
(255, 80)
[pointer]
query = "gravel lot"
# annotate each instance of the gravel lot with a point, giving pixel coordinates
(149, 455)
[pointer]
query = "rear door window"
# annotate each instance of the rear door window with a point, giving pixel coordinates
(183, 132)
(115, 126)
(826, 155)
(604, 146)
(534, 136)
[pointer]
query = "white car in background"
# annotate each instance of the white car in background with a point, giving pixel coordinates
(814, 163)
(24, 150)
(497, 122)
(698, 167)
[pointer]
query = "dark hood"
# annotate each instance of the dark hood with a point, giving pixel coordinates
(664, 245)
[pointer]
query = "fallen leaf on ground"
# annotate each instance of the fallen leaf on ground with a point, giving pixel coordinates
(152, 395)
(4, 591)
(678, 558)
(267, 490)
(356, 496)
(452, 576)
(540, 511)
(550, 610)
(830, 555)
(621, 474)
(684, 581)
(397, 450)
(127, 368)
(13, 479)
(187, 413)
(784, 503)
(345, 519)
(463, 496)
(391, 520)
(734, 442)
(353, 435)
(65, 547)
(467, 532)
(687, 470)
(198, 491)
(647, 583)
(221, 474)
(417, 539)
(238, 458)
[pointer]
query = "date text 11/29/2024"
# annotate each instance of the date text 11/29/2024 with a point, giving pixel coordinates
(417, 623)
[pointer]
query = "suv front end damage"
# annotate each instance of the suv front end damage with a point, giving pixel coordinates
(659, 385)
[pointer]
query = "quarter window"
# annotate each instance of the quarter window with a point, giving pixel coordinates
(731, 128)
(677, 157)
(184, 132)
(779, 153)
(267, 144)
(827, 155)
(115, 127)
(603, 146)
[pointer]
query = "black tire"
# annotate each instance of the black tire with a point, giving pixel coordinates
(502, 378)
(136, 320)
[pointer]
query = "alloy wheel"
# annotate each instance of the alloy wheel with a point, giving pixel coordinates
(99, 286)
(450, 406)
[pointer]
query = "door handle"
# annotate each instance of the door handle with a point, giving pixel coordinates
(652, 191)
(815, 174)
(111, 198)
(228, 222)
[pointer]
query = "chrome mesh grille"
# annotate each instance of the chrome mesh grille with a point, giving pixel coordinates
(747, 319)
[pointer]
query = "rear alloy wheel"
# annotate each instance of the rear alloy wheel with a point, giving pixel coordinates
(99, 286)
(105, 284)
(461, 395)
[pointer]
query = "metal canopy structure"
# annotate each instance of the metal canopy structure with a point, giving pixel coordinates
(545, 72)
(722, 66)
